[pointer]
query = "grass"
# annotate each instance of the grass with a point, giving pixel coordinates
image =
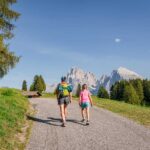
(137, 113)
(13, 110)
(48, 95)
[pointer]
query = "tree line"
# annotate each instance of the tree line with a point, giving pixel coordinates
(135, 91)
(37, 85)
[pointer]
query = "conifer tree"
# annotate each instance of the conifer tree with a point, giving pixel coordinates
(7, 17)
(102, 93)
(38, 84)
(32, 87)
(130, 95)
(146, 89)
(24, 85)
(114, 91)
(138, 86)
(43, 83)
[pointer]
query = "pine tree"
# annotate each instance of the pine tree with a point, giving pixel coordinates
(43, 83)
(78, 90)
(7, 17)
(146, 89)
(24, 85)
(7, 59)
(117, 90)
(138, 86)
(32, 87)
(121, 87)
(130, 95)
(114, 91)
(102, 93)
(37, 84)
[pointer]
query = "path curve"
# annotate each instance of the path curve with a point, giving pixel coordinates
(107, 131)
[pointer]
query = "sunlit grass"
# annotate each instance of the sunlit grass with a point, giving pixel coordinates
(13, 109)
(137, 113)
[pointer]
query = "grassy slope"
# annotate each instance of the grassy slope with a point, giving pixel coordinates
(139, 114)
(13, 109)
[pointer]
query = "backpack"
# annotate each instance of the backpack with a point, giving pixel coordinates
(63, 90)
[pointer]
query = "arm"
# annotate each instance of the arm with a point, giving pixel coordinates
(70, 93)
(70, 96)
(56, 92)
(80, 100)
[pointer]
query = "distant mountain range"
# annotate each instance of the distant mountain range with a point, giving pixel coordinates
(77, 75)
(120, 74)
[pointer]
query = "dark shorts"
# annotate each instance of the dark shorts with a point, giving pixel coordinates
(64, 100)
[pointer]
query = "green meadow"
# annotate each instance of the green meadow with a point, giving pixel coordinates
(140, 114)
(13, 123)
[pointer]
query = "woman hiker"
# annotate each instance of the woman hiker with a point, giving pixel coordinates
(64, 97)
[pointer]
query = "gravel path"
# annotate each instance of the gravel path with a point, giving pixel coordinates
(107, 131)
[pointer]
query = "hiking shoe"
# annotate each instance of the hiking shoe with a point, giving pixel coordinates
(83, 120)
(63, 124)
(87, 123)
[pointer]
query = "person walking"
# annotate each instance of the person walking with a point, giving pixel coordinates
(64, 97)
(84, 101)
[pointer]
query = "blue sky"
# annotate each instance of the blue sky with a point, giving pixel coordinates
(95, 35)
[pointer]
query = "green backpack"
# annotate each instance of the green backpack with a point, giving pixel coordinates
(63, 90)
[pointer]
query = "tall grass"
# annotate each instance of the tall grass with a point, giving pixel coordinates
(13, 108)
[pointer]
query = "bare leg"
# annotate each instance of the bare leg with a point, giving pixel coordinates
(82, 113)
(62, 112)
(65, 111)
(88, 113)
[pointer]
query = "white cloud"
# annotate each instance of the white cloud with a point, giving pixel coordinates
(117, 40)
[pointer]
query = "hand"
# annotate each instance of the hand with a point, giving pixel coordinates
(79, 103)
(70, 100)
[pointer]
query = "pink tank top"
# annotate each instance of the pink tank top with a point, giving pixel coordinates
(85, 96)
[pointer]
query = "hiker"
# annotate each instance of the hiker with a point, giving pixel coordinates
(64, 97)
(84, 101)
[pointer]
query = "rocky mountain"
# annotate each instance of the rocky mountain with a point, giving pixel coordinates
(77, 75)
(51, 88)
(120, 74)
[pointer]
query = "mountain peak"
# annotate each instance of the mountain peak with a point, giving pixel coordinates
(126, 72)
